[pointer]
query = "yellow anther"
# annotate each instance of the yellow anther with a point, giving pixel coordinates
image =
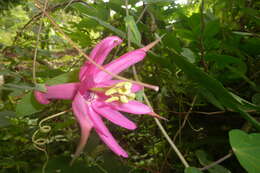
(131, 96)
(123, 91)
(111, 91)
(124, 84)
(111, 99)
(123, 99)
(128, 85)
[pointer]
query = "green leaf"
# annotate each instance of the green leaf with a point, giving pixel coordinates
(192, 170)
(64, 78)
(28, 105)
(134, 35)
(172, 42)
(210, 97)
(247, 149)
(188, 54)
(215, 87)
(211, 28)
(205, 160)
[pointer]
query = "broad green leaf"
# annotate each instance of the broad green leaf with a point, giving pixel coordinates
(247, 149)
(215, 87)
(205, 160)
(210, 97)
(188, 54)
(28, 105)
(192, 170)
(64, 78)
(171, 41)
(211, 29)
(134, 35)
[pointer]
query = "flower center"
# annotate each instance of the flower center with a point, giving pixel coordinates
(120, 92)
(89, 96)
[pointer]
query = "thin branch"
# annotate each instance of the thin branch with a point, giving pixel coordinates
(216, 162)
(37, 44)
(73, 44)
(185, 119)
(142, 14)
(165, 134)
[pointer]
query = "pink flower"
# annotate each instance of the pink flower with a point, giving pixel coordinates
(97, 95)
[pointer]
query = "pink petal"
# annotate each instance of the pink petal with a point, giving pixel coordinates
(80, 110)
(133, 107)
(99, 54)
(120, 64)
(110, 83)
(114, 116)
(62, 91)
(106, 136)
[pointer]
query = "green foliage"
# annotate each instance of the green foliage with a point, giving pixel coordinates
(205, 160)
(192, 170)
(210, 52)
(28, 105)
(246, 149)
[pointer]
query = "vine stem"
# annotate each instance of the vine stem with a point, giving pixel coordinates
(158, 123)
(73, 44)
(185, 118)
(37, 44)
(40, 142)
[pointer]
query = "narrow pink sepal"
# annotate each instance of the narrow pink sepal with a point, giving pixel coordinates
(108, 139)
(133, 107)
(99, 54)
(113, 116)
(80, 111)
(120, 64)
(65, 91)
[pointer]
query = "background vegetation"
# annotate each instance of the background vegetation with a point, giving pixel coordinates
(207, 66)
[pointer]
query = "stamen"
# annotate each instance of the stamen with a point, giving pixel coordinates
(110, 91)
(123, 99)
(111, 99)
